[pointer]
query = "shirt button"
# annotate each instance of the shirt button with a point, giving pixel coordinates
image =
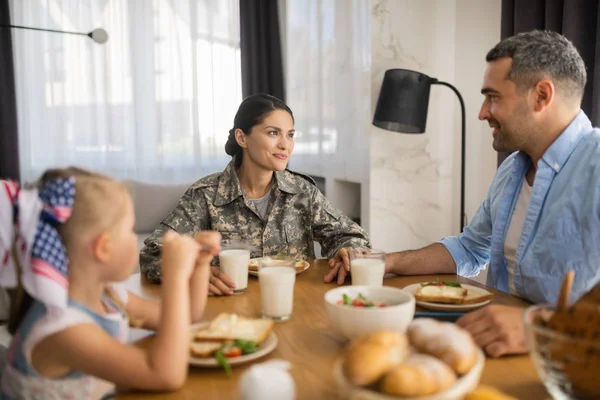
(556, 166)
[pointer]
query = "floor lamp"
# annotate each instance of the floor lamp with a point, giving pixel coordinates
(98, 35)
(402, 107)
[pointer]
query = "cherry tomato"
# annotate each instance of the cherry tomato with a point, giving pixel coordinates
(232, 352)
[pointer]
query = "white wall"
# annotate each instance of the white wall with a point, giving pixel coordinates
(415, 179)
(477, 31)
(410, 184)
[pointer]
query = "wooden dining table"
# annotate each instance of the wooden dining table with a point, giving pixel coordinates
(309, 342)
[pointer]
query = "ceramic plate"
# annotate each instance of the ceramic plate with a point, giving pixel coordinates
(255, 273)
(450, 307)
(210, 362)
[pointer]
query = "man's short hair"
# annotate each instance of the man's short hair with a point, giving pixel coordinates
(540, 55)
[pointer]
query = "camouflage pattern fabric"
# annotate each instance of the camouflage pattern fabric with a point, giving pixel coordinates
(298, 214)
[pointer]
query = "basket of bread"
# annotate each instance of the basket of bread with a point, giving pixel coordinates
(433, 360)
(564, 342)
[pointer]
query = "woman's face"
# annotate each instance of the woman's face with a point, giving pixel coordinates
(269, 144)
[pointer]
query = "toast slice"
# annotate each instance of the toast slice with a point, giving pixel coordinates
(204, 349)
(476, 296)
(232, 326)
(441, 294)
(253, 265)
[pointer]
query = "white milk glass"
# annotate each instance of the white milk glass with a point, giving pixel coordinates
(367, 267)
(234, 260)
(276, 279)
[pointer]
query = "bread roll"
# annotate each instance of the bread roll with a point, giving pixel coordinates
(487, 393)
(444, 340)
(371, 356)
(419, 375)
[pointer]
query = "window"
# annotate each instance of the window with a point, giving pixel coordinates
(154, 103)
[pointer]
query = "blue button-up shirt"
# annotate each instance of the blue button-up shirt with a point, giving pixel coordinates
(561, 230)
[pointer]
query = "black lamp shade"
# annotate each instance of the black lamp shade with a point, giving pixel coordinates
(403, 101)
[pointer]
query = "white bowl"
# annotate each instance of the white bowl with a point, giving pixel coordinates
(463, 386)
(357, 321)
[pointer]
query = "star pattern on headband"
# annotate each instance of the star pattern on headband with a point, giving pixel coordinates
(60, 192)
(48, 247)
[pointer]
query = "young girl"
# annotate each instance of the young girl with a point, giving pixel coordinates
(69, 332)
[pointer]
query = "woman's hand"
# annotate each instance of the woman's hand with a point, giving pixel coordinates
(339, 266)
(219, 283)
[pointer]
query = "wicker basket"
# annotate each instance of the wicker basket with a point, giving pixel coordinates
(565, 346)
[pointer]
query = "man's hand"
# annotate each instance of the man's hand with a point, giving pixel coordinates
(498, 330)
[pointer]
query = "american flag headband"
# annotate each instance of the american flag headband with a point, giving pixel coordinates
(28, 218)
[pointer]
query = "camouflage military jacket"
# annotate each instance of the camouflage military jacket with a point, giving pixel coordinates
(298, 214)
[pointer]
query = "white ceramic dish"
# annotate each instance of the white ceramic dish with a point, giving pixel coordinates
(210, 362)
(464, 385)
(449, 307)
(356, 321)
(255, 273)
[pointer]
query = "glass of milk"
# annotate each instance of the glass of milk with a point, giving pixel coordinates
(234, 259)
(276, 278)
(367, 267)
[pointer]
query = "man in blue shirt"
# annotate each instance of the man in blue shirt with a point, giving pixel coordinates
(541, 216)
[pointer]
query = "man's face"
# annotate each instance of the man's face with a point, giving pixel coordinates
(504, 108)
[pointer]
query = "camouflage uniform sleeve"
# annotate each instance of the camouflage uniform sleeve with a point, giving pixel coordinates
(332, 229)
(189, 217)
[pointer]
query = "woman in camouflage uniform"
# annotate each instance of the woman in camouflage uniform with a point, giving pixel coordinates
(257, 200)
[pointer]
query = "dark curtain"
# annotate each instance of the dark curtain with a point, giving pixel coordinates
(9, 141)
(578, 20)
(262, 66)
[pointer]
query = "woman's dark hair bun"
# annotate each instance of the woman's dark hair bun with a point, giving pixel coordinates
(232, 147)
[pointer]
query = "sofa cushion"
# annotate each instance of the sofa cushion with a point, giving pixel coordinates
(153, 202)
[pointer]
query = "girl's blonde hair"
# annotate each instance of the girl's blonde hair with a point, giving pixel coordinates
(99, 204)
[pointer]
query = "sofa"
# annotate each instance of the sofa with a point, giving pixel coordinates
(152, 203)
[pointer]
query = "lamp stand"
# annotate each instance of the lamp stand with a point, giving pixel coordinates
(462, 155)
(98, 35)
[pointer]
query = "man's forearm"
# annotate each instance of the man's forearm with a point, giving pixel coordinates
(433, 259)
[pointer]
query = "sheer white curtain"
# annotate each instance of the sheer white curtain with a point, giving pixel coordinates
(328, 54)
(154, 103)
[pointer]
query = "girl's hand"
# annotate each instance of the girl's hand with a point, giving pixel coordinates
(179, 255)
(219, 282)
(209, 243)
(209, 246)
